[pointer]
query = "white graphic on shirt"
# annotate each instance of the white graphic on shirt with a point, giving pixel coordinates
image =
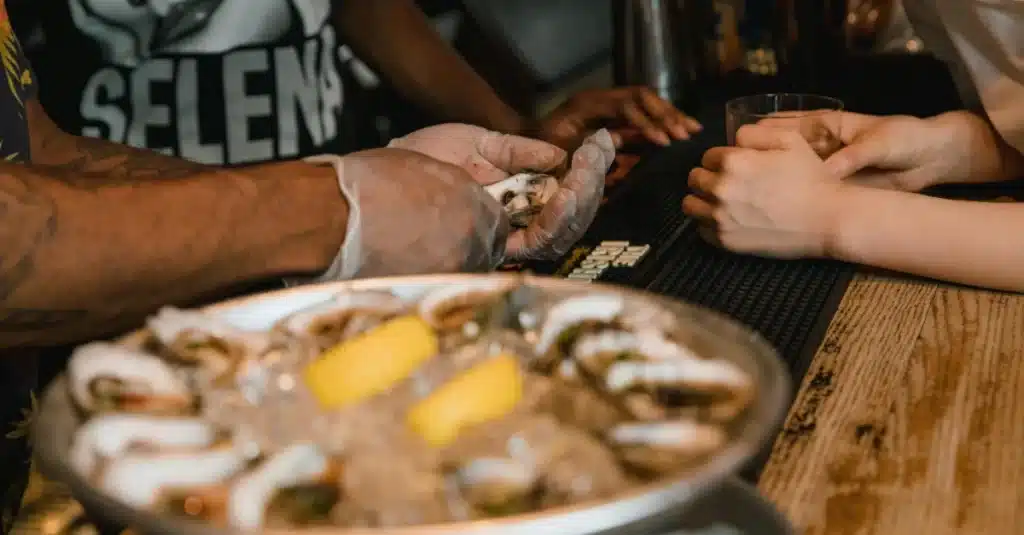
(276, 62)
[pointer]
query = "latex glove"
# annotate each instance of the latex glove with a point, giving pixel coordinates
(490, 157)
(897, 152)
(571, 210)
(411, 214)
(629, 112)
(770, 195)
(486, 155)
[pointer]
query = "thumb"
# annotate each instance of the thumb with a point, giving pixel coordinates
(516, 154)
(865, 152)
(551, 233)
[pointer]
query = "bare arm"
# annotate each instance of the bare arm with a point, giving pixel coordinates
(990, 157)
(398, 40)
(974, 243)
(94, 241)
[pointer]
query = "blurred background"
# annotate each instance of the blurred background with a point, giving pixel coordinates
(536, 52)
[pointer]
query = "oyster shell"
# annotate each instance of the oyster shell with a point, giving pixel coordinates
(300, 468)
(524, 195)
(342, 317)
(105, 377)
(199, 339)
(497, 486)
(453, 307)
(143, 479)
(108, 436)
(665, 447)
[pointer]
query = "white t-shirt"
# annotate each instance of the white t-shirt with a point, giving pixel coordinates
(983, 42)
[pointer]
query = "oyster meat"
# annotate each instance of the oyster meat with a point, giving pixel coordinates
(524, 195)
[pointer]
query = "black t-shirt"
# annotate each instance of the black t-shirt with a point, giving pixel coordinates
(226, 82)
(17, 370)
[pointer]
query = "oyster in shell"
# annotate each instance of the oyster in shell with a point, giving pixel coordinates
(105, 377)
(524, 195)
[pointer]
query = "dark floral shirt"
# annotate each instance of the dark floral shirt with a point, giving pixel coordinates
(18, 371)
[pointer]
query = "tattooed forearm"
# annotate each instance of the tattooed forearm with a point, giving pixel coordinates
(28, 220)
(79, 262)
(96, 161)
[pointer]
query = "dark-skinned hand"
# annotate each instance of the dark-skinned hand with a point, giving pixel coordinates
(629, 113)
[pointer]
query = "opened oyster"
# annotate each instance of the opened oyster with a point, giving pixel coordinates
(479, 399)
(524, 195)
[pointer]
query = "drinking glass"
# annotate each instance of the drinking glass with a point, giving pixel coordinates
(816, 117)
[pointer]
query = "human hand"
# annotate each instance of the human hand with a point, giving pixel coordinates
(770, 195)
(486, 155)
(571, 210)
(892, 152)
(409, 214)
(490, 157)
(629, 112)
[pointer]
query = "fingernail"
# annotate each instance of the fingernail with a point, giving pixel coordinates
(662, 138)
(592, 155)
(603, 139)
(679, 132)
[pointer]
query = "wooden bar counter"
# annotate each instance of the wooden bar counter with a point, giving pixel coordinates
(911, 418)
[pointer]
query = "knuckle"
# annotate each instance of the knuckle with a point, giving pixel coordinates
(790, 137)
(744, 132)
(734, 162)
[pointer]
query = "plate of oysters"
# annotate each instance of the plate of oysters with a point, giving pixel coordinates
(433, 404)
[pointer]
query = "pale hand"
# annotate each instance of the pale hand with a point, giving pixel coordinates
(771, 195)
(892, 152)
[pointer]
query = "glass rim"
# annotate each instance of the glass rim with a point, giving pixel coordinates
(837, 105)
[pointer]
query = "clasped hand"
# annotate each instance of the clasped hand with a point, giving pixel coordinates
(770, 195)
(779, 191)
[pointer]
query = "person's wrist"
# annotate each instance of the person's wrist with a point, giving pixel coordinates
(846, 219)
(317, 198)
(976, 152)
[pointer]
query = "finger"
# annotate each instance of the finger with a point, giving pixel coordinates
(516, 154)
(820, 131)
(867, 151)
(703, 183)
(698, 208)
(714, 158)
(552, 232)
(629, 135)
(665, 113)
(852, 125)
(617, 139)
(638, 118)
(597, 152)
(760, 137)
(693, 125)
(710, 234)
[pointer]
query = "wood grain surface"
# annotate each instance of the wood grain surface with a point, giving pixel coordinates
(911, 419)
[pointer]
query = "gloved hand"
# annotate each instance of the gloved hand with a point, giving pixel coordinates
(490, 157)
(411, 214)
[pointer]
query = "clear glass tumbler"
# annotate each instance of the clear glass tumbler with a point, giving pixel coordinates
(817, 117)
